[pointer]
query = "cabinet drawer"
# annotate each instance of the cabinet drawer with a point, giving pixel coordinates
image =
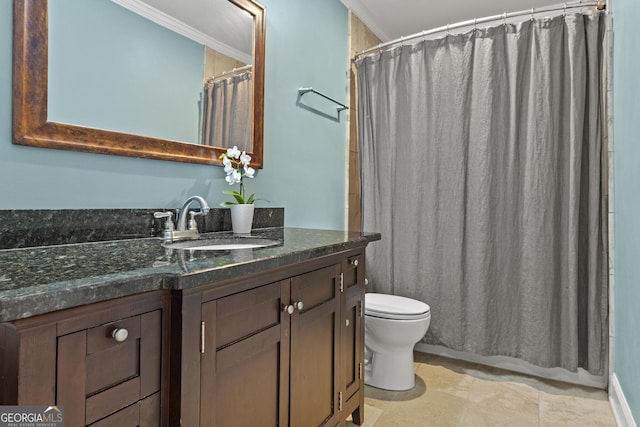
(245, 313)
(110, 362)
(109, 375)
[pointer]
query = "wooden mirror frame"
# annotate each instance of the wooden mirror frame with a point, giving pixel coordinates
(30, 87)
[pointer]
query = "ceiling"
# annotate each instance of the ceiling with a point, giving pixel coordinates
(390, 20)
(218, 24)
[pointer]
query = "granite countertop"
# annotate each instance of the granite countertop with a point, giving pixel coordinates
(40, 280)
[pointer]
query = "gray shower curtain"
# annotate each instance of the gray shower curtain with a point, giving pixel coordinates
(484, 168)
(227, 112)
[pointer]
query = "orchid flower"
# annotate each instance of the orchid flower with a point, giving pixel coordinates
(236, 166)
(233, 153)
(245, 158)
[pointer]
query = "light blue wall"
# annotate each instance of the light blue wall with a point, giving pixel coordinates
(304, 152)
(626, 113)
(307, 45)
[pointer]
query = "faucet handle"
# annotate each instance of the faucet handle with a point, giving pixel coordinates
(167, 233)
(166, 214)
(192, 221)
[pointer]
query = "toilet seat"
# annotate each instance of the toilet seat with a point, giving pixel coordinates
(395, 307)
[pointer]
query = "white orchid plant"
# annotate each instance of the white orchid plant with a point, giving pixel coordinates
(236, 166)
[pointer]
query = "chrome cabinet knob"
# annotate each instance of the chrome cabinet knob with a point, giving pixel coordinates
(354, 262)
(299, 305)
(347, 322)
(289, 309)
(120, 334)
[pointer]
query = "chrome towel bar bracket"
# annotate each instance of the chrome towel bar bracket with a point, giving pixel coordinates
(303, 90)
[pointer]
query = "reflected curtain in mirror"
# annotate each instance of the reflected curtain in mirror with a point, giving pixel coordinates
(226, 111)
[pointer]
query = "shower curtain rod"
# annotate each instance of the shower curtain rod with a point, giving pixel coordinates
(599, 5)
(233, 71)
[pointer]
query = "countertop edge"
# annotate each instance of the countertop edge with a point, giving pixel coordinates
(196, 279)
(48, 298)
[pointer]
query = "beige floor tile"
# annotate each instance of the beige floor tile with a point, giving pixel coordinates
(371, 415)
(496, 403)
(504, 395)
(433, 408)
(385, 399)
(444, 379)
(479, 415)
(563, 410)
(458, 393)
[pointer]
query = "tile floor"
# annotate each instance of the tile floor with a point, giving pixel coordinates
(456, 393)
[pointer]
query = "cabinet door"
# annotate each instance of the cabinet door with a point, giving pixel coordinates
(245, 358)
(352, 335)
(314, 363)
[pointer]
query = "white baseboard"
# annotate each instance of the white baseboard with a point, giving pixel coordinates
(619, 405)
(581, 377)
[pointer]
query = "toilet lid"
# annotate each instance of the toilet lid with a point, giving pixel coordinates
(395, 307)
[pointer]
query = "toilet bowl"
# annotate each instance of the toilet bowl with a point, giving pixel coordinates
(393, 325)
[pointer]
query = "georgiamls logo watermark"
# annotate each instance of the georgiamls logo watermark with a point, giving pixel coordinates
(31, 416)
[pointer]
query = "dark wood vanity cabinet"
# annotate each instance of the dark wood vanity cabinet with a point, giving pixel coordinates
(279, 348)
(106, 363)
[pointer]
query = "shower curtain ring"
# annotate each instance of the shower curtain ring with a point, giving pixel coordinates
(504, 18)
(475, 24)
(564, 13)
(448, 33)
(533, 10)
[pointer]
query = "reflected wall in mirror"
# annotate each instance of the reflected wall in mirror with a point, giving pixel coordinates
(51, 115)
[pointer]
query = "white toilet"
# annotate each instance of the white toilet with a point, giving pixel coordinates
(393, 325)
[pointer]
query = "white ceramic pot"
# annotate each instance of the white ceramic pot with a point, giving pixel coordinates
(241, 218)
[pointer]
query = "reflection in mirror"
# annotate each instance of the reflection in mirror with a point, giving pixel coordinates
(37, 125)
(226, 109)
(226, 101)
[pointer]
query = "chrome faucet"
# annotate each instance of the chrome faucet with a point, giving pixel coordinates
(182, 213)
(170, 234)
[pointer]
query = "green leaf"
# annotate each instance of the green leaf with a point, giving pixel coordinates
(235, 195)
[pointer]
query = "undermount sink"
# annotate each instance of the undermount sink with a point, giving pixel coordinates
(223, 243)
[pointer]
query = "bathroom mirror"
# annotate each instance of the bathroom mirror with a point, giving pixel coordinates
(33, 125)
